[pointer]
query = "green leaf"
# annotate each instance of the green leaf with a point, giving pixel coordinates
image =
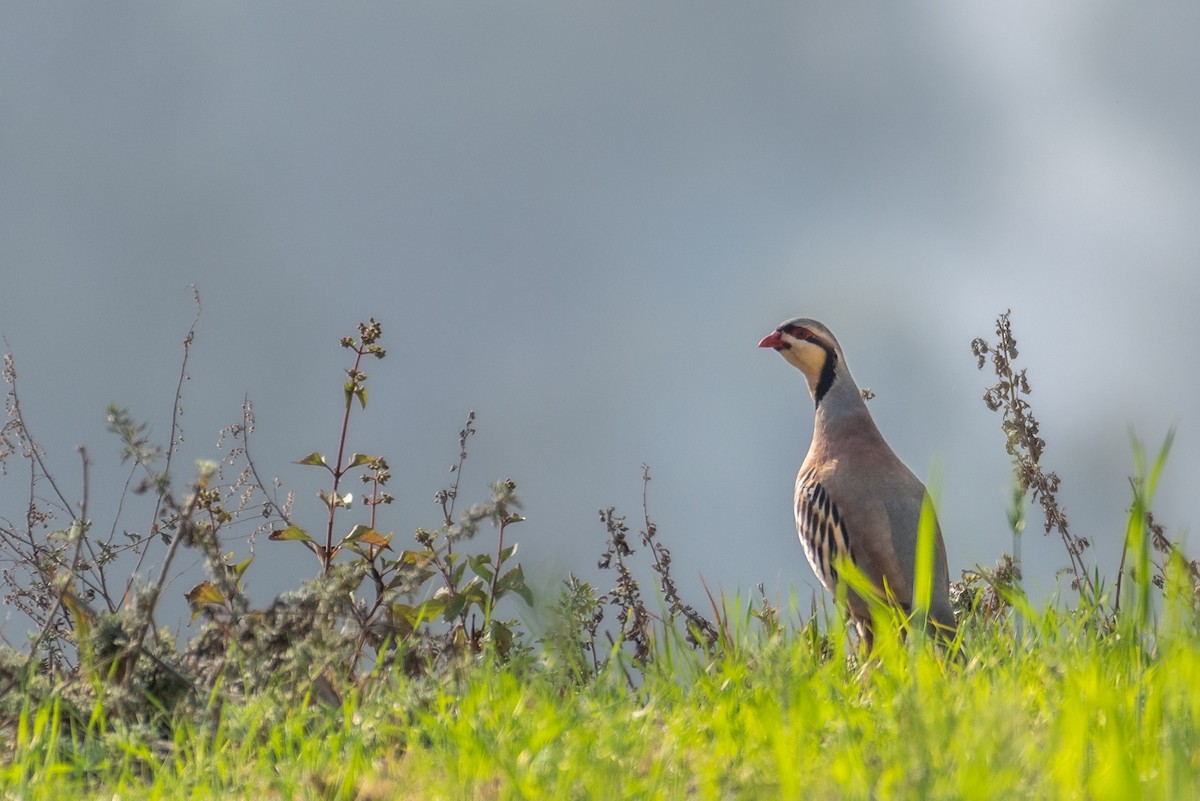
(476, 593)
(290, 533)
(432, 607)
(514, 581)
(455, 604)
(418, 558)
(240, 567)
(370, 536)
(406, 618)
(203, 594)
(406, 562)
(359, 459)
(313, 458)
(402, 616)
(501, 635)
(481, 565)
(507, 553)
(361, 394)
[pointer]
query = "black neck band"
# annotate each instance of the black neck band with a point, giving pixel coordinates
(827, 373)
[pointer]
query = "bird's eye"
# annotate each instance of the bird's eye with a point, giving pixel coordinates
(799, 332)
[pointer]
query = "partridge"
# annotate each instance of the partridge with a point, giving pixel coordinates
(854, 497)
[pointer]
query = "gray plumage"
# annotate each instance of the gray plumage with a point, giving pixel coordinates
(854, 497)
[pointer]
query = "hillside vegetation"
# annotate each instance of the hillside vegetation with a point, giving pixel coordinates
(394, 671)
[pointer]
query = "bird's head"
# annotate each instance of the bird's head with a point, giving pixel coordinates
(810, 346)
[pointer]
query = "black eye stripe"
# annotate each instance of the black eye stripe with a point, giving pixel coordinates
(799, 332)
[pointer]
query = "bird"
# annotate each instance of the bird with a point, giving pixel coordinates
(854, 497)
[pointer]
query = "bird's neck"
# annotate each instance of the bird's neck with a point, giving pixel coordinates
(840, 401)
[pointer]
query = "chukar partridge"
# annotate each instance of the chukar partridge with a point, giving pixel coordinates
(854, 497)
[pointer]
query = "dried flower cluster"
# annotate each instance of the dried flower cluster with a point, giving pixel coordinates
(1024, 444)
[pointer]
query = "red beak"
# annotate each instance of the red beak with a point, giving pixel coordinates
(772, 340)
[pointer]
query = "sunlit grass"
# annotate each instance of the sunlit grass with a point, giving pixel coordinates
(1093, 695)
(1068, 711)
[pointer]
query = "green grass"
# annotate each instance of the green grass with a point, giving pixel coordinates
(1066, 713)
(1096, 698)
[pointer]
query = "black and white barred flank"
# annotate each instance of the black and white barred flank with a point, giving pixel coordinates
(822, 532)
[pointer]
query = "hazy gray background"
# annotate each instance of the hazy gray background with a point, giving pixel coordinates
(578, 220)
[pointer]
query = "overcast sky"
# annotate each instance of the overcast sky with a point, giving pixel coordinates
(578, 220)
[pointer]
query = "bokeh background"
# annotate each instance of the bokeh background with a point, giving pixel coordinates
(578, 220)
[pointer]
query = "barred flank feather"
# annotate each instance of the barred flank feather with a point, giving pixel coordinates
(822, 532)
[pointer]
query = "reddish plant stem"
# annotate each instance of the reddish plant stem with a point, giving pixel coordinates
(337, 469)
